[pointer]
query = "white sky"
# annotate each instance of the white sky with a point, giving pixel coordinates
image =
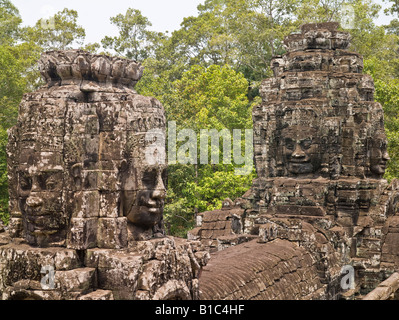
(165, 15)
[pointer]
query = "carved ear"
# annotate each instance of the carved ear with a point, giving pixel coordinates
(124, 166)
(76, 170)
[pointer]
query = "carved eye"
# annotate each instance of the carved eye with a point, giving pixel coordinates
(306, 144)
(289, 144)
(48, 181)
(50, 184)
(150, 179)
(25, 182)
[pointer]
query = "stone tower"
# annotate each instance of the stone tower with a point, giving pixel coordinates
(87, 177)
(77, 155)
(321, 149)
(320, 153)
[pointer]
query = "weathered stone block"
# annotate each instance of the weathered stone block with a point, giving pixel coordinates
(119, 272)
(98, 295)
(108, 180)
(86, 204)
(15, 227)
(83, 233)
(110, 204)
(112, 233)
(76, 280)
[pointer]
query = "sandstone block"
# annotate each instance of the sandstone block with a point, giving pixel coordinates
(112, 233)
(83, 233)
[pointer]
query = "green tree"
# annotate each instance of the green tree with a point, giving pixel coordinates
(242, 33)
(387, 93)
(135, 41)
(59, 32)
(205, 98)
(10, 21)
(12, 87)
(213, 97)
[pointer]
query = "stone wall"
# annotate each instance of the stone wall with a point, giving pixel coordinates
(386, 290)
(277, 270)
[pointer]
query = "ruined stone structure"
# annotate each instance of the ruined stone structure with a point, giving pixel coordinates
(87, 189)
(220, 229)
(87, 183)
(320, 152)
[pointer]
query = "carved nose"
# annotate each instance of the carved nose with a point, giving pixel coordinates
(159, 194)
(298, 152)
(386, 156)
(34, 202)
(160, 190)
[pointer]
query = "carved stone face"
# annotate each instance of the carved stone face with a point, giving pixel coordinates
(300, 150)
(41, 203)
(144, 206)
(379, 155)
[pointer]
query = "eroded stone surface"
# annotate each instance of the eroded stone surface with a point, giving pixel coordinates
(87, 180)
(320, 153)
(278, 270)
(220, 229)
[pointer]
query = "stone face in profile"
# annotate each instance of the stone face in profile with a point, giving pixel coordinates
(77, 155)
(143, 207)
(378, 154)
(87, 181)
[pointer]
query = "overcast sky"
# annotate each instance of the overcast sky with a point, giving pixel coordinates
(165, 15)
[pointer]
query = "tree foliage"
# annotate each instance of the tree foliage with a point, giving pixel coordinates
(59, 32)
(135, 41)
(206, 98)
(387, 93)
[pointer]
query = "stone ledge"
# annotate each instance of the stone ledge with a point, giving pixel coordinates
(81, 67)
(385, 290)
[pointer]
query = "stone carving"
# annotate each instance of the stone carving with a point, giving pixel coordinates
(79, 153)
(300, 149)
(378, 154)
(87, 188)
(318, 121)
(87, 181)
(320, 153)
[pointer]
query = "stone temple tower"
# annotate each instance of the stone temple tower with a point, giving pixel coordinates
(87, 183)
(320, 144)
(320, 152)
